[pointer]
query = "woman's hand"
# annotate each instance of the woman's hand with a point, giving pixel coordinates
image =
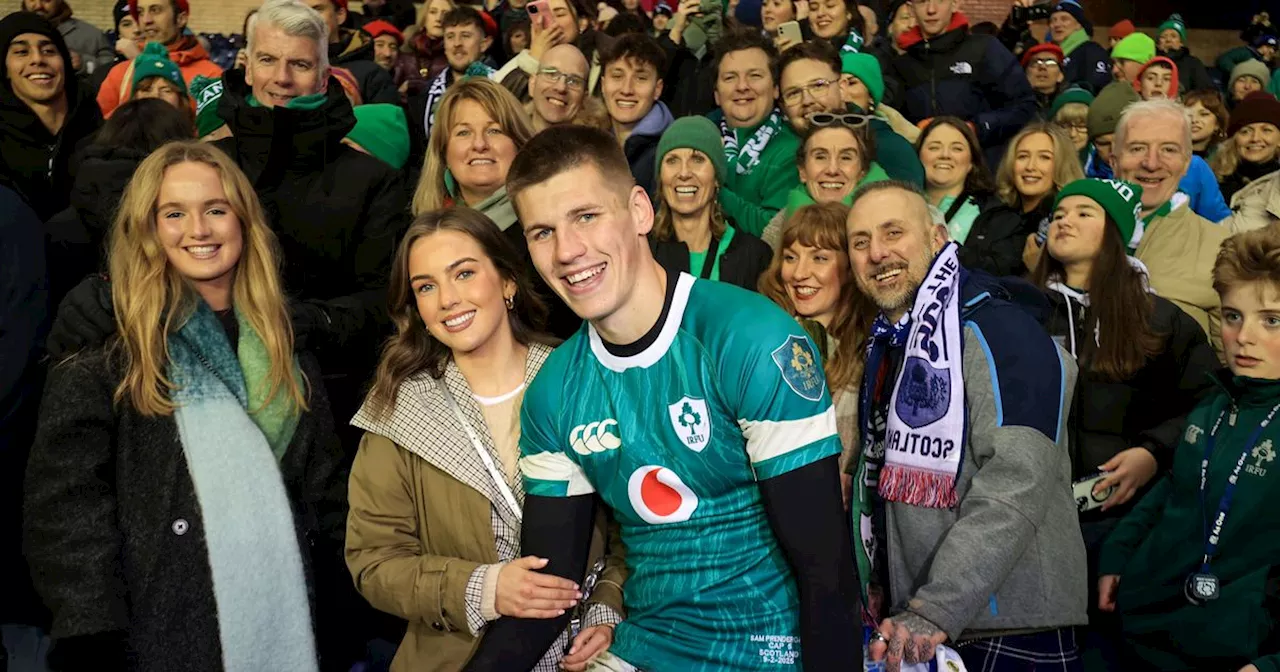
(1108, 584)
(1129, 470)
(1031, 252)
(680, 20)
(782, 43)
(524, 593)
(541, 39)
(589, 644)
(802, 10)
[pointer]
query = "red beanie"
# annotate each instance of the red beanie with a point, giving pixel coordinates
(182, 5)
(490, 26)
(1173, 83)
(1040, 49)
(1122, 30)
(1257, 107)
(379, 28)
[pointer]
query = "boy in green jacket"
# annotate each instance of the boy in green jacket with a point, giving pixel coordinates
(1188, 569)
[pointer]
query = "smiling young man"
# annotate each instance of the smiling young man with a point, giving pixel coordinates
(44, 115)
(631, 84)
(162, 21)
(465, 42)
(698, 412)
(558, 88)
(962, 485)
(759, 144)
(1152, 148)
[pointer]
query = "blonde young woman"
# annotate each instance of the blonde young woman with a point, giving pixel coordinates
(811, 279)
(1039, 161)
(435, 494)
(179, 470)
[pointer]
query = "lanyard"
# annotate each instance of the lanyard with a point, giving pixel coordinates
(1213, 535)
(483, 452)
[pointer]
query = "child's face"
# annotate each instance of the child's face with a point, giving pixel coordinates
(1251, 330)
(1156, 82)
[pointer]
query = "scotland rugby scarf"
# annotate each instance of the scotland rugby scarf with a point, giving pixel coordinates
(745, 158)
(924, 433)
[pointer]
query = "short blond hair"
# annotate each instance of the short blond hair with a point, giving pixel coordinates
(1249, 257)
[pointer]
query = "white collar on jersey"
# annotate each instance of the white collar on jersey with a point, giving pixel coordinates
(650, 355)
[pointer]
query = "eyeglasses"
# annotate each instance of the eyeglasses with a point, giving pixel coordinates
(822, 119)
(554, 76)
(1076, 129)
(1047, 63)
(815, 89)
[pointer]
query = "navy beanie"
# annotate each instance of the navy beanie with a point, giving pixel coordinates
(1076, 11)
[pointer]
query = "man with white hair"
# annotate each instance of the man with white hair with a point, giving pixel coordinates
(1152, 148)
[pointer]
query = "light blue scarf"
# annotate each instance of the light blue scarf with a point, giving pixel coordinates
(259, 586)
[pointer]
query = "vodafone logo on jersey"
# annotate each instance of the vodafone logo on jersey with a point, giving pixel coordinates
(659, 496)
(595, 437)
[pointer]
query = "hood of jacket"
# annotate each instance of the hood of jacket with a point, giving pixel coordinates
(283, 138)
(655, 121)
(352, 45)
(951, 38)
(1173, 83)
(186, 51)
(101, 177)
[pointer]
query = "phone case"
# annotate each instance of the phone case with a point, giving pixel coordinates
(1086, 500)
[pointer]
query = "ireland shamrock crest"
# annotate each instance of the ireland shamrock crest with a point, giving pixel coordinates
(691, 422)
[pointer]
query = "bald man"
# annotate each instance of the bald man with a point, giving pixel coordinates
(559, 86)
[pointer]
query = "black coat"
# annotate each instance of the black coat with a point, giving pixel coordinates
(1089, 64)
(36, 162)
(24, 312)
(76, 237)
(995, 240)
(1192, 73)
(690, 82)
(338, 214)
(1149, 408)
(376, 84)
(741, 264)
(105, 486)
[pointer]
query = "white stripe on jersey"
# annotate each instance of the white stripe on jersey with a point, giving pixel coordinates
(770, 438)
(556, 467)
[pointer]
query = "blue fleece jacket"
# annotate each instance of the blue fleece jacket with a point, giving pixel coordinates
(642, 144)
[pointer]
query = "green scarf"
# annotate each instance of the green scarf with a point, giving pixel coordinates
(853, 43)
(1074, 40)
(746, 156)
(1162, 211)
(498, 208)
(310, 102)
(799, 196)
(277, 418)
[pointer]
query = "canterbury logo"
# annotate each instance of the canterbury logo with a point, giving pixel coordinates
(595, 437)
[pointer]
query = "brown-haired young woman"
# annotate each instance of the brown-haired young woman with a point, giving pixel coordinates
(436, 498)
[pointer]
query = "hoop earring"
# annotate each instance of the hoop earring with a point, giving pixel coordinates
(510, 301)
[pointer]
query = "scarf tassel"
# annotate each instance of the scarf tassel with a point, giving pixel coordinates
(900, 483)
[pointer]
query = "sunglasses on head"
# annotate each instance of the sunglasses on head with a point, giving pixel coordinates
(831, 119)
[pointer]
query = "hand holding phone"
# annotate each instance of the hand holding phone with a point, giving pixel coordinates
(790, 32)
(539, 13)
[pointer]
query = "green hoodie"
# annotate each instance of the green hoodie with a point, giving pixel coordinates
(751, 200)
(1161, 541)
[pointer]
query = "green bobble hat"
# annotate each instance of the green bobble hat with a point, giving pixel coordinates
(1104, 112)
(1250, 68)
(698, 133)
(1175, 23)
(1074, 94)
(383, 131)
(206, 92)
(154, 62)
(867, 69)
(1121, 200)
(1136, 47)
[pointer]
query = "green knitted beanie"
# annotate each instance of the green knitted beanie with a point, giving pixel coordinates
(1137, 47)
(382, 130)
(698, 133)
(1121, 200)
(154, 62)
(866, 68)
(1174, 22)
(1074, 94)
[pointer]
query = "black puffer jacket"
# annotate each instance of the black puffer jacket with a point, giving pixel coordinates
(1192, 73)
(354, 51)
(1146, 410)
(1088, 63)
(37, 163)
(995, 240)
(76, 237)
(338, 214)
(741, 264)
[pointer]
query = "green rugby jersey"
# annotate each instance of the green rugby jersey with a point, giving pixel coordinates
(674, 439)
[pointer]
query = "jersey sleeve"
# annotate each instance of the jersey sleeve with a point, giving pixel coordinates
(772, 377)
(547, 469)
